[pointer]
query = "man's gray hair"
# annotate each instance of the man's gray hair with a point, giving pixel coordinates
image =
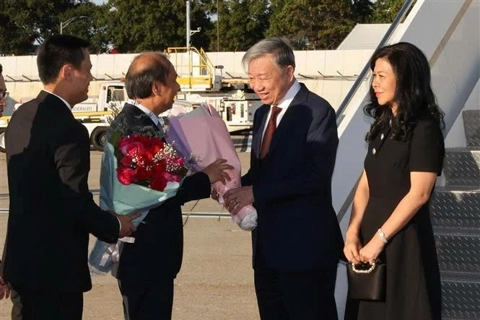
(278, 47)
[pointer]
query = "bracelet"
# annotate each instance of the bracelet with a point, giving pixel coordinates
(381, 234)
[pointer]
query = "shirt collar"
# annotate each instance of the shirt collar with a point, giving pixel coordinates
(149, 113)
(284, 104)
(288, 98)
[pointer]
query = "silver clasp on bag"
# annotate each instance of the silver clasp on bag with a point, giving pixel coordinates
(372, 267)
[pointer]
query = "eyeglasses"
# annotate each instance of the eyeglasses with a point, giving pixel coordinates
(3, 94)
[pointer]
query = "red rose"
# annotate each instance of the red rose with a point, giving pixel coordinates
(126, 175)
(179, 161)
(159, 167)
(155, 145)
(146, 156)
(127, 161)
(143, 173)
(132, 148)
(158, 183)
(132, 145)
(125, 141)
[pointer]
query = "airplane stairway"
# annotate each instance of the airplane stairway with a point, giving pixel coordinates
(455, 210)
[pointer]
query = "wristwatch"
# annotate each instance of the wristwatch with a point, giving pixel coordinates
(382, 236)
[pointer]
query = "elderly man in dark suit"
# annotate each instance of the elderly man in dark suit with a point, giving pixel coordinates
(297, 243)
(51, 209)
(148, 266)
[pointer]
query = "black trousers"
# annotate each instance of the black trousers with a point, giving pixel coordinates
(41, 305)
(296, 295)
(152, 300)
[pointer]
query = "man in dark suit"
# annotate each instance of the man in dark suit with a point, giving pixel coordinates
(148, 266)
(297, 243)
(5, 291)
(4, 288)
(3, 92)
(51, 210)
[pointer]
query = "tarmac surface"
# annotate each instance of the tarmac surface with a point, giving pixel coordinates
(216, 280)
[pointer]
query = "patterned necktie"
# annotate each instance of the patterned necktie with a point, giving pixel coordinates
(272, 125)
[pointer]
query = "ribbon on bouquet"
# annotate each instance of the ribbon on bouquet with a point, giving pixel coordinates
(105, 256)
(112, 252)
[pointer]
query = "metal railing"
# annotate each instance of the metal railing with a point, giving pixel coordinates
(361, 77)
(196, 214)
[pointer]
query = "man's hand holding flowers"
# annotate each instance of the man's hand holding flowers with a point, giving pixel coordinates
(126, 224)
(236, 199)
(216, 171)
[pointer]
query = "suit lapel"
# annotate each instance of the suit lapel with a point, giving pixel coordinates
(257, 135)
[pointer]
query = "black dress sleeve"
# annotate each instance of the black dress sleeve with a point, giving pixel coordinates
(427, 149)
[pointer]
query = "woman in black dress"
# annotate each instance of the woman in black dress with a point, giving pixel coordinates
(390, 213)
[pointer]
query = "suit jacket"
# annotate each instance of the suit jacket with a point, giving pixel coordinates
(158, 248)
(52, 211)
(297, 225)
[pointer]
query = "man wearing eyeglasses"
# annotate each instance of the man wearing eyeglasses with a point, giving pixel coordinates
(3, 92)
(4, 290)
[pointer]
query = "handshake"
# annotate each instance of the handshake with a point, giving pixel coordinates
(238, 201)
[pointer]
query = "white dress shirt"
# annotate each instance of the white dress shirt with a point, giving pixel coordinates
(284, 104)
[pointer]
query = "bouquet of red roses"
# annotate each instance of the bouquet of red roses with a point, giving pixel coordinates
(149, 162)
(139, 172)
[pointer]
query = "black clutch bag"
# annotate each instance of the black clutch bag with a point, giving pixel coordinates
(367, 281)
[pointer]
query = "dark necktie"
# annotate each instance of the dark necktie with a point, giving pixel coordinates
(272, 125)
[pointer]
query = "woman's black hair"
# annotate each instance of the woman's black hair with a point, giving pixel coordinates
(413, 94)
